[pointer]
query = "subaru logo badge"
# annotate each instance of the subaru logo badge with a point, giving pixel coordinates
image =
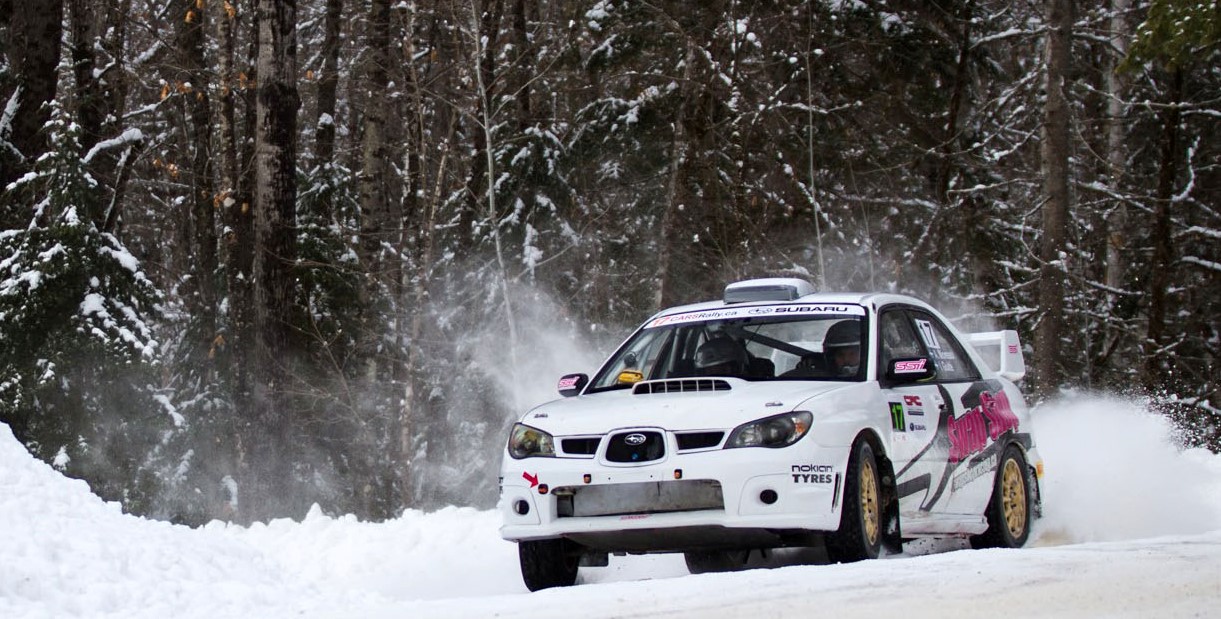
(635, 439)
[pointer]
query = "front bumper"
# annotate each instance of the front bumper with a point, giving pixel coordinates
(752, 497)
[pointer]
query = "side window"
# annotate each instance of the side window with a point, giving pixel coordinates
(897, 339)
(952, 362)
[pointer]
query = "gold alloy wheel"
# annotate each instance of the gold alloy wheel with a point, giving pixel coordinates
(869, 502)
(1013, 498)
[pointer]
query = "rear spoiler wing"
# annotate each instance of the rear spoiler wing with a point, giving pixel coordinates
(1002, 352)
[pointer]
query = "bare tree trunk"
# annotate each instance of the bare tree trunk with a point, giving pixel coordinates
(671, 218)
(486, 26)
(961, 78)
(1055, 154)
(35, 32)
(1158, 361)
(113, 81)
(191, 18)
(484, 74)
(90, 110)
(425, 213)
(275, 161)
(98, 36)
(274, 208)
(375, 221)
(812, 189)
(524, 64)
(236, 251)
(235, 179)
(328, 85)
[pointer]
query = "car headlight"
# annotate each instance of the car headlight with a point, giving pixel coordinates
(525, 442)
(777, 431)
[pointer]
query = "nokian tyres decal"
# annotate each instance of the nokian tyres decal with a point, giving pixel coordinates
(974, 438)
(812, 473)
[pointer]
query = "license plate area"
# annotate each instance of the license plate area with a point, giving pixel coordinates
(652, 497)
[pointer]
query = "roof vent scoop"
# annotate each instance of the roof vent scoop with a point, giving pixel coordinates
(770, 289)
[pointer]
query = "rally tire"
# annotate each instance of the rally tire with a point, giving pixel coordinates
(1010, 508)
(708, 561)
(860, 526)
(548, 563)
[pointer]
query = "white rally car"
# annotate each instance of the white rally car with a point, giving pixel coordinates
(773, 418)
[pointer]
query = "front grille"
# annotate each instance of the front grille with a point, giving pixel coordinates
(632, 447)
(654, 497)
(587, 446)
(698, 440)
(681, 385)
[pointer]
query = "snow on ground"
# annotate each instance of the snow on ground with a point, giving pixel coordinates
(1132, 528)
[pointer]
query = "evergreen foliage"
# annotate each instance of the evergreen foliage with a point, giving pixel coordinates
(75, 312)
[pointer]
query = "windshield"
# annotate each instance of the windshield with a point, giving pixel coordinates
(790, 342)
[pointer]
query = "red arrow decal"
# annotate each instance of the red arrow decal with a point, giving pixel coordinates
(533, 479)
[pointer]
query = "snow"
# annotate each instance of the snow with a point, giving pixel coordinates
(1130, 530)
(129, 136)
(1208, 264)
(124, 258)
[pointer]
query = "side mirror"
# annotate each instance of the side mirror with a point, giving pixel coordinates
(572, 384)
(916, 369)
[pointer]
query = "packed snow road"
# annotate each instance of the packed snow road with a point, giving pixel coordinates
(1132, 528)
(1167, 577)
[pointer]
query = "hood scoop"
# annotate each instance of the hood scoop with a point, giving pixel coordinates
(681, 385)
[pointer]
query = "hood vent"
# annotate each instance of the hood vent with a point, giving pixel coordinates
(681, 385)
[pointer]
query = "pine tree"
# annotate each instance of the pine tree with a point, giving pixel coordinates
(75, 312)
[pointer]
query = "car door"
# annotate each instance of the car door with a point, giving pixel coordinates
(963, 428)
(983, 423)
(914, 410)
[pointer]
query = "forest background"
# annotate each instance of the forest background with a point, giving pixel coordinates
(258, 254)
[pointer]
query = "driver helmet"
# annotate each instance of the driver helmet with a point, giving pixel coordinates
(843, 337)
(720, 355)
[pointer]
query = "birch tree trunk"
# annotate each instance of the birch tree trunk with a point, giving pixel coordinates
(486, 30)
(1117, 152)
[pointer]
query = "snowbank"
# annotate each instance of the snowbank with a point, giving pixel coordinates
(1113, 481)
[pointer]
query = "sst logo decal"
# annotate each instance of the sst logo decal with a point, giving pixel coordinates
(910, 367)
